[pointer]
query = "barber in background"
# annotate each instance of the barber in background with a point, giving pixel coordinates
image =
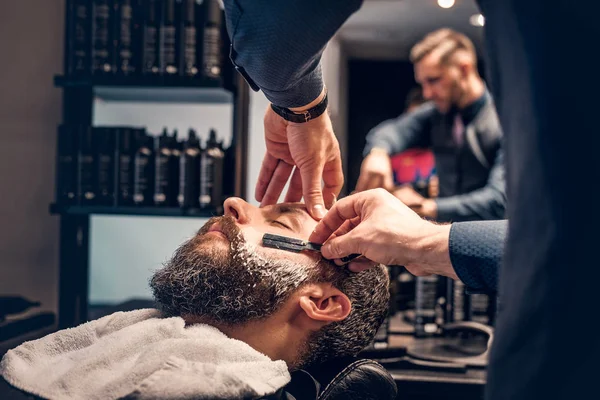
(459, 124)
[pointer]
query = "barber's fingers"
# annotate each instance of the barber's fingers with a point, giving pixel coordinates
(294, 193)
(278, 180)
(342, 246)
(346, 227)
(311, 174)
(341, 211)
(333, 179)
(360, 264)
(264, 177)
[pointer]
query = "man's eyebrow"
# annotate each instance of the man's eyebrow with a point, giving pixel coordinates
(284, 209)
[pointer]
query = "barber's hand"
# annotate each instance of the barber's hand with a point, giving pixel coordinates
(313, 148)
(380, 227)
(375, 172)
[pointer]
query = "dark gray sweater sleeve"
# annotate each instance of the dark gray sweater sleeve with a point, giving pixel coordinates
(406, 131)
(487, 203)
(279, 43)
(476, 250)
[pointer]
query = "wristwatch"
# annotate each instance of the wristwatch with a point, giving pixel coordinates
(302, 116)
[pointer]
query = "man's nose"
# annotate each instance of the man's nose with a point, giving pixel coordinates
(238, 209)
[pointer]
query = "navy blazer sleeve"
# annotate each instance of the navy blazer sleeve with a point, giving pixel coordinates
(408, 130)
(476, 250)
(279, 45)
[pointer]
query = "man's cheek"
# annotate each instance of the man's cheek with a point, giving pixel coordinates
(251, 236)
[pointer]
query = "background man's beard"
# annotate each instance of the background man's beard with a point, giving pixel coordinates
(231, 286)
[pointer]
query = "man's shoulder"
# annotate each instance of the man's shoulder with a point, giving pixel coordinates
(427, 109)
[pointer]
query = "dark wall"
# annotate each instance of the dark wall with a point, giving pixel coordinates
(377, 91)
(31, 41)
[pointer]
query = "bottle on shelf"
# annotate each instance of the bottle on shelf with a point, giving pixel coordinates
(150, 38)
(102, 15)
(479, 308)
(79, 40)
(169, 38)
(425, 306)
(162, 173)
(188, 66)
(212, 58)
(143, 175)
(124, 37)
(189, 172)
(66, 165)
(85, 166)
(459, 302)
(211, 173)
(124, 166)
(104, 165)
(174, 171)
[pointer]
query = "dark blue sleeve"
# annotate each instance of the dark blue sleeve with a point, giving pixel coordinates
(408, 130)
(486, 203)
(279, 43)
(476, 250)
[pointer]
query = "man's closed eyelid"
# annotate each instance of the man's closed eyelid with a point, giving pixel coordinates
(280, 224)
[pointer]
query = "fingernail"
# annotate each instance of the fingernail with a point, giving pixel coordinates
(319, 211)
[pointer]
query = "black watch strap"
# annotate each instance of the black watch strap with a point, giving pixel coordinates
(302, 116)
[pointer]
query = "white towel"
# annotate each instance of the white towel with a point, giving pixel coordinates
(142, 355)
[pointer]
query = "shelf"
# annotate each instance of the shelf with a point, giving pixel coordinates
(141, 211)
(151, 89)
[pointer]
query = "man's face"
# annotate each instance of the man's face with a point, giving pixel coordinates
(440, 82)
(225, 274)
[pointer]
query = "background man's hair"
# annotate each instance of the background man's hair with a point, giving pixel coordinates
(369, 294)
(414, 98)
(446, 43)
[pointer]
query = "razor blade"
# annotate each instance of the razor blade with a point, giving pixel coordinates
(296, 245)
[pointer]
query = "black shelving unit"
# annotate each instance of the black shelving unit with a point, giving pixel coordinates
(77, 109)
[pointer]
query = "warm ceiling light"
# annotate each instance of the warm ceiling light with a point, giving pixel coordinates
(477, 20)
(445, 3)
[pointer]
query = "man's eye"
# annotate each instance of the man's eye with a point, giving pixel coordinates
(281, 224)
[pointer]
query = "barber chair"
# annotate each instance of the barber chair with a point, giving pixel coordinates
(340, 378)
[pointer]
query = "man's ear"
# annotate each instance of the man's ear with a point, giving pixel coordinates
(323, 302)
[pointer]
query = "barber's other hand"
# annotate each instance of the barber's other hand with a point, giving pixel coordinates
(314, 150)
(375, 172)
(377, 225)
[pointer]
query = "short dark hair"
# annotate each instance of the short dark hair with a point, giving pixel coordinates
(414, 98)
(369, 294)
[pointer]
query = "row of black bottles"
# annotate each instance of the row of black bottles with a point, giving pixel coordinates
(124, 166)
(145, 37)
(441, 300)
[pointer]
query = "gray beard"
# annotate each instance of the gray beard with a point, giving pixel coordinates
(230, 286)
